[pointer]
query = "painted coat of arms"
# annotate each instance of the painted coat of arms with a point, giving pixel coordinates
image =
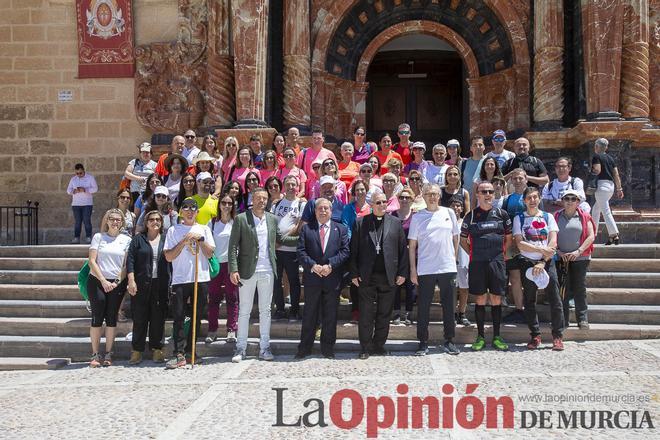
(104, 19)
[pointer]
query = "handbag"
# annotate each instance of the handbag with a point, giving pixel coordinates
(592, 184)
(82, 280)
(214, 266)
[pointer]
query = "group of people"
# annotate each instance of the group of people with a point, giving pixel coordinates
(382, 220)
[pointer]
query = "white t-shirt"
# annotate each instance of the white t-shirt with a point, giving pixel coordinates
(173, 187)
(111, 253)
(434, 232)
(263, 262)
(143, 170)
(183, 266)
(535, 230)
(221, 233)
(559, 188)
(502, 157)
(435, 174)
(288, 213)
(154, 258)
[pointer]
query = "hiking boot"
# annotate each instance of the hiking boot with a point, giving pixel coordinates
(231, 336)
(136, 358)
(422, 350)
(294, 316)
(584, 325)
(95, 361)
(499, 343)
(179, 361)
(107, 360)
(198, 359)
(451, 348)
(557, 344)
(211, 337)
(406, 318)
(266, 355)
(239, 355)
(75, 240)
(479, 343)
(158, 356)
(534, 343)
(462, 319)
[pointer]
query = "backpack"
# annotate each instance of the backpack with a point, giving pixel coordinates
(521, 218)
(570, 182)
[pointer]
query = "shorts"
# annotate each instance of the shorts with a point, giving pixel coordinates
(462, 277)
(487, 277)
(512, 264)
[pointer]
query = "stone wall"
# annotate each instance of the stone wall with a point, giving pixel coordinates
(40, 138)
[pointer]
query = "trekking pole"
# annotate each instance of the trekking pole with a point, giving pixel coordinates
(194, 317)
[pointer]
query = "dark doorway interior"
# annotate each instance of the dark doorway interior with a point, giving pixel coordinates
(400, 92)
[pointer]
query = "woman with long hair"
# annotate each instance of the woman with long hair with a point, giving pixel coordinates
(452, 189)
(416, 183)
(274, 187)
(233, 188)
(229, 156)
(290, 168)
(363, 149)
(124, 204)
(221, 287)
(405, 214)
(161, 204)
(252, 182)
(242, 167)
(106, 283)
(152, 182)
(270, 167)
(489, 169)
(278, 147)
(188, 188)
(176, 166)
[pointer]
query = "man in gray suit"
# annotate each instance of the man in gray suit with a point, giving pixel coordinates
(252, 266)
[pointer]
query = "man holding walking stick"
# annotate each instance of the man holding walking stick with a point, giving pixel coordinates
(185, 244)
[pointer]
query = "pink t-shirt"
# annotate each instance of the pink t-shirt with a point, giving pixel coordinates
(340, 192)
(265, 174)
(239, 175)
(308, 156)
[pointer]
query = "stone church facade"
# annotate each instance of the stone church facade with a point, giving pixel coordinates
(561, 72)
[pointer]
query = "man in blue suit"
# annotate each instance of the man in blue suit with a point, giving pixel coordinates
(323, 250)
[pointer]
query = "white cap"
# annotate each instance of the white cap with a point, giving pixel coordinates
(204, 175)
(327, 179)
(162, 190)
(418, 144)
(453, 142)
(572, 192)
(541, 280)
(145, 146)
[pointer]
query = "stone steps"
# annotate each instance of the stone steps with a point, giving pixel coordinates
(627, 251)
(32, 363)
(624, 265)
(47, 264)
(632, 232)
(46, 251)
(403, 340)
(39, 277)
(43, 292)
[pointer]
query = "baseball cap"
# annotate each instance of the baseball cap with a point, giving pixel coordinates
(419, 145)
(452, 142)
(162, 190)
(204, 175)
(145, 146)
(189, 202)
(541, 280)
(499, 133)
(572, 192)
(367, 165)
(327, 179)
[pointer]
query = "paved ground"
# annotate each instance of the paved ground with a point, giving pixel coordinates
(224, 400)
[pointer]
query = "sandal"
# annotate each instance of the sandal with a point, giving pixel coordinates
(107, 360)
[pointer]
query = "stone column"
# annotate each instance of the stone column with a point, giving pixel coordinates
(548, 63)
(602, 33)
(220, 105)
(635, 60)
(297, 68)
(250, 37)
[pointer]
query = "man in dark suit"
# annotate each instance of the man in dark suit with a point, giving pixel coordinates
(323, 250)
(378, 263)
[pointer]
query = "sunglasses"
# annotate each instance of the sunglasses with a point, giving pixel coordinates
(414, 179)
(405, 198)
(154, 219)
(190, 137)
(124, 197)
(316, 167)
(359, 134)
(189, 208)
(499, 139)
(188, 181)
(269, 158)
(389, 181)
(115, 219)
(570, 199)
(206, 181)
(227, 203)
(80, 174)
(161, 196)
(404, 132)
(289, 156)
(232, 145)
(487, 191)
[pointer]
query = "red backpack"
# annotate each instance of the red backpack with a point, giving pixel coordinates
(585, 217)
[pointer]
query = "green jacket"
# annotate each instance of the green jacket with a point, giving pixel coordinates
(244, 246)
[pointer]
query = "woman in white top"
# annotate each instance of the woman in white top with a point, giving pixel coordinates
(535, 234)
(220, 286)
(106, 283)
(176, 166)
(139, 169)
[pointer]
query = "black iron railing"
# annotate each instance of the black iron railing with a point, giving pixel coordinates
(19, 225)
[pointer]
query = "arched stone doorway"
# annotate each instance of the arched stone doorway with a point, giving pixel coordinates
(486, 34)
(419, 79)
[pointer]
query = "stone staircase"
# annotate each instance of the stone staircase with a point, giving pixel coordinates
(44, 322)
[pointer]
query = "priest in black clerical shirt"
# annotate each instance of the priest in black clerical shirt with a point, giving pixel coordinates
(378, 263)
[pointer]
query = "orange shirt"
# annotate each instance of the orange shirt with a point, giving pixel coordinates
(382, 159)
(348, 172)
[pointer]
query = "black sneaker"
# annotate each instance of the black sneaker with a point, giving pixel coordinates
(584, 325)
(451, 348)
(422, 350)
(462, 319)
(515, 317)
(279, 315)
(294, 316)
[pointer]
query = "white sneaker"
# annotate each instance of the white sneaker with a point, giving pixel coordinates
(266, 355)
(211, 337)
(239, 355)
(231, 336)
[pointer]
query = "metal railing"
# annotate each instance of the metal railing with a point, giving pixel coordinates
(19, 225)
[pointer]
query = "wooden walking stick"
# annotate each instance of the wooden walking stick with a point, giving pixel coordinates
(194, 314)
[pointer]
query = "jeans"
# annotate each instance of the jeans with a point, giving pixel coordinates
(576, 288)
(220, 287)
(82, 214)
(552, 293)
(287, 261)
(447, 284)
(263, 282)
(603, 194)
(149, 308)
(181, 306)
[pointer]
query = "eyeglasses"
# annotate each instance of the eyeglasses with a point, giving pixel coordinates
(188, 181)
(227, 203)
(432, 194)
(232, 145)
(414, 179)
(188, 136)
(389, 181)
(405, 198)
(189, 208)
(269, 158)
(452, 146)
(154, 220)
(570, 199)
(274, 186)
(561, 166)
(487, 191)
(124, 197)
(115, 219)
(404, 132)
(159, 196)
(289, 156)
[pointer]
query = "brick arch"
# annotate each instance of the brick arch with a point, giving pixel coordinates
(337, 12)
(426, 27)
